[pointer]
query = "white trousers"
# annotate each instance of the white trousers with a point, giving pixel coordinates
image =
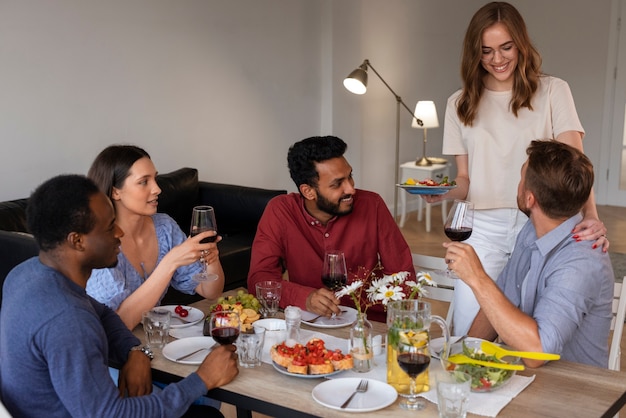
(493, 238)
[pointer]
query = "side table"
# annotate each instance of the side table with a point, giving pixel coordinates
(435, 172)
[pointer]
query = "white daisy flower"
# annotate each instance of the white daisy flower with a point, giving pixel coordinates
(385, 294)
(346, 290)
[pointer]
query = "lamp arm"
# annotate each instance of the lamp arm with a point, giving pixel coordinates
(398, 98)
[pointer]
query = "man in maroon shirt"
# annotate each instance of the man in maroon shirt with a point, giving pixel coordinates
(328, 213)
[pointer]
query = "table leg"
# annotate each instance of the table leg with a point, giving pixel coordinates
(428, 208)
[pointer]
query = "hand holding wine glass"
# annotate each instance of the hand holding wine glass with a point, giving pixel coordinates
(202, 220)
(459, 223)
(414, 360)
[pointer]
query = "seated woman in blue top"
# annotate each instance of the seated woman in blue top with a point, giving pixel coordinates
(155, 252)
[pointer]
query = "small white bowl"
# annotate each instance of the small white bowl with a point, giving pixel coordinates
(271, 324)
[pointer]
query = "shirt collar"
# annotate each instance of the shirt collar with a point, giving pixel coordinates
(550, 240)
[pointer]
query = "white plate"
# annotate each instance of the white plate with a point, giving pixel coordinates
(332, 393)
(195, 316)
(179, 348)
(342, 320)
(284, 371)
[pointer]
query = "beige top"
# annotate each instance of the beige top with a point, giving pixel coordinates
(496, 143)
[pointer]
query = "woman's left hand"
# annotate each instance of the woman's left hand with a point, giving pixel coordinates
(592, 230)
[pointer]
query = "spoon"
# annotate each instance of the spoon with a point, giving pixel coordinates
(463, 359)
(493, 349)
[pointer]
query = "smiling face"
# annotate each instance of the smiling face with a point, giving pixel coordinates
(334, 194)
(499, 57)
(140, 191)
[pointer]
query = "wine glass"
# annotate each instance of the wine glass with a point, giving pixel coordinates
(224, 327)
(459, 223)
(202, 220)
(414, 359)
(334, 275)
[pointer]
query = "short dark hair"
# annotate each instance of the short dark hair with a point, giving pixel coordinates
(112, 166)
(560, 177)
(60, 206)
(303, 155)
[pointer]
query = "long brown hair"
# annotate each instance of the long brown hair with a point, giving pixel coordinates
(526, 76)
(112, 166)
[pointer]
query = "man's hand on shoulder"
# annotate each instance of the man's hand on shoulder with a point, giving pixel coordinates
(322, 302)
(219, 367)
(136, 375)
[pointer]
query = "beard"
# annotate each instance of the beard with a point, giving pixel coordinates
(521, 207)
(331, 208)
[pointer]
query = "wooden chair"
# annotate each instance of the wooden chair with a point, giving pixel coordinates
(444, 291)
(617, 324)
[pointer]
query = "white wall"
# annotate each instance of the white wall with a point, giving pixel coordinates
(227, 86)
(224, 86)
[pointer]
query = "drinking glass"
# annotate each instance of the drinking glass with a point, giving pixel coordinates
(224, 327)
(156, 324)
(413, 359)
(459, 223)
(202, 220)
(334, 274)
(250, 347)
(268, 293)
(453, 392)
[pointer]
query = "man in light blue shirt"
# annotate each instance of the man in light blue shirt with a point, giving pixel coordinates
(555, 293)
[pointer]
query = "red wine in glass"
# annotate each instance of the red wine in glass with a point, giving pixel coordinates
(460, 234)
(198, 231)
(334, 281)
(224, 327)
(413, 363)
(225, 335)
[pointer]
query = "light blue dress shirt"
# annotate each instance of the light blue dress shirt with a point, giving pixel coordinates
(567, 287)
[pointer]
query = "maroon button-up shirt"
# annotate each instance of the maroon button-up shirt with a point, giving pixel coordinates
(289, 238)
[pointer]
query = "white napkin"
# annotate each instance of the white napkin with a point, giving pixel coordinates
(489, 404)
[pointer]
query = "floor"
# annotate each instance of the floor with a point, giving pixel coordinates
(429, 243)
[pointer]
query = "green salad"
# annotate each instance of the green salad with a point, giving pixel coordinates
(484, 378)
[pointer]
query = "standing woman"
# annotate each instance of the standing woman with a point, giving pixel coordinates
(505, 103)
(155, 252)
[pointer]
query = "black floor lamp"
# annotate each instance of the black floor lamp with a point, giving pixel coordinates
(356, 83)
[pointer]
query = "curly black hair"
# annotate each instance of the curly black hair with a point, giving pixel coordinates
(303, 155)
(60, 206)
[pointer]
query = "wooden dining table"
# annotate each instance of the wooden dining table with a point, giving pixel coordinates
(560, 389)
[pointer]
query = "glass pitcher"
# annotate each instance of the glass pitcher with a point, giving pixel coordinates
(408, 322)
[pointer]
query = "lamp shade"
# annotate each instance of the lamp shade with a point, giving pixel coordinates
(356, 82)
(427, 112)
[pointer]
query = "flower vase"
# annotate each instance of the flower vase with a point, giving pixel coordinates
(361, 344)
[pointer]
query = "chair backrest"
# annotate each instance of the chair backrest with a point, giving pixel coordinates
(617, 324)
(445, 285)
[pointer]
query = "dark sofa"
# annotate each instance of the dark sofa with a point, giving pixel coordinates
(237, 211)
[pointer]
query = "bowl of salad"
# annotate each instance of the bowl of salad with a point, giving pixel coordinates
(484, 379)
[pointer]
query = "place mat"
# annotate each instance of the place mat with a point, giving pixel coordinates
(489, 404)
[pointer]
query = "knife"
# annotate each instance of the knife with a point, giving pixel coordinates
(186, 356)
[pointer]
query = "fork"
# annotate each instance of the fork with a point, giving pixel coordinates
(319, 316)
(361, 388)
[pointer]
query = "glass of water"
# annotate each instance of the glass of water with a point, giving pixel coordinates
(453, 392)
(156, 324)
(268, 293)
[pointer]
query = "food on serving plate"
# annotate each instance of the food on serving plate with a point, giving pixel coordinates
(181, 311)
(484, 379)
(311, 358)
(430, 182)
(245, 304)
